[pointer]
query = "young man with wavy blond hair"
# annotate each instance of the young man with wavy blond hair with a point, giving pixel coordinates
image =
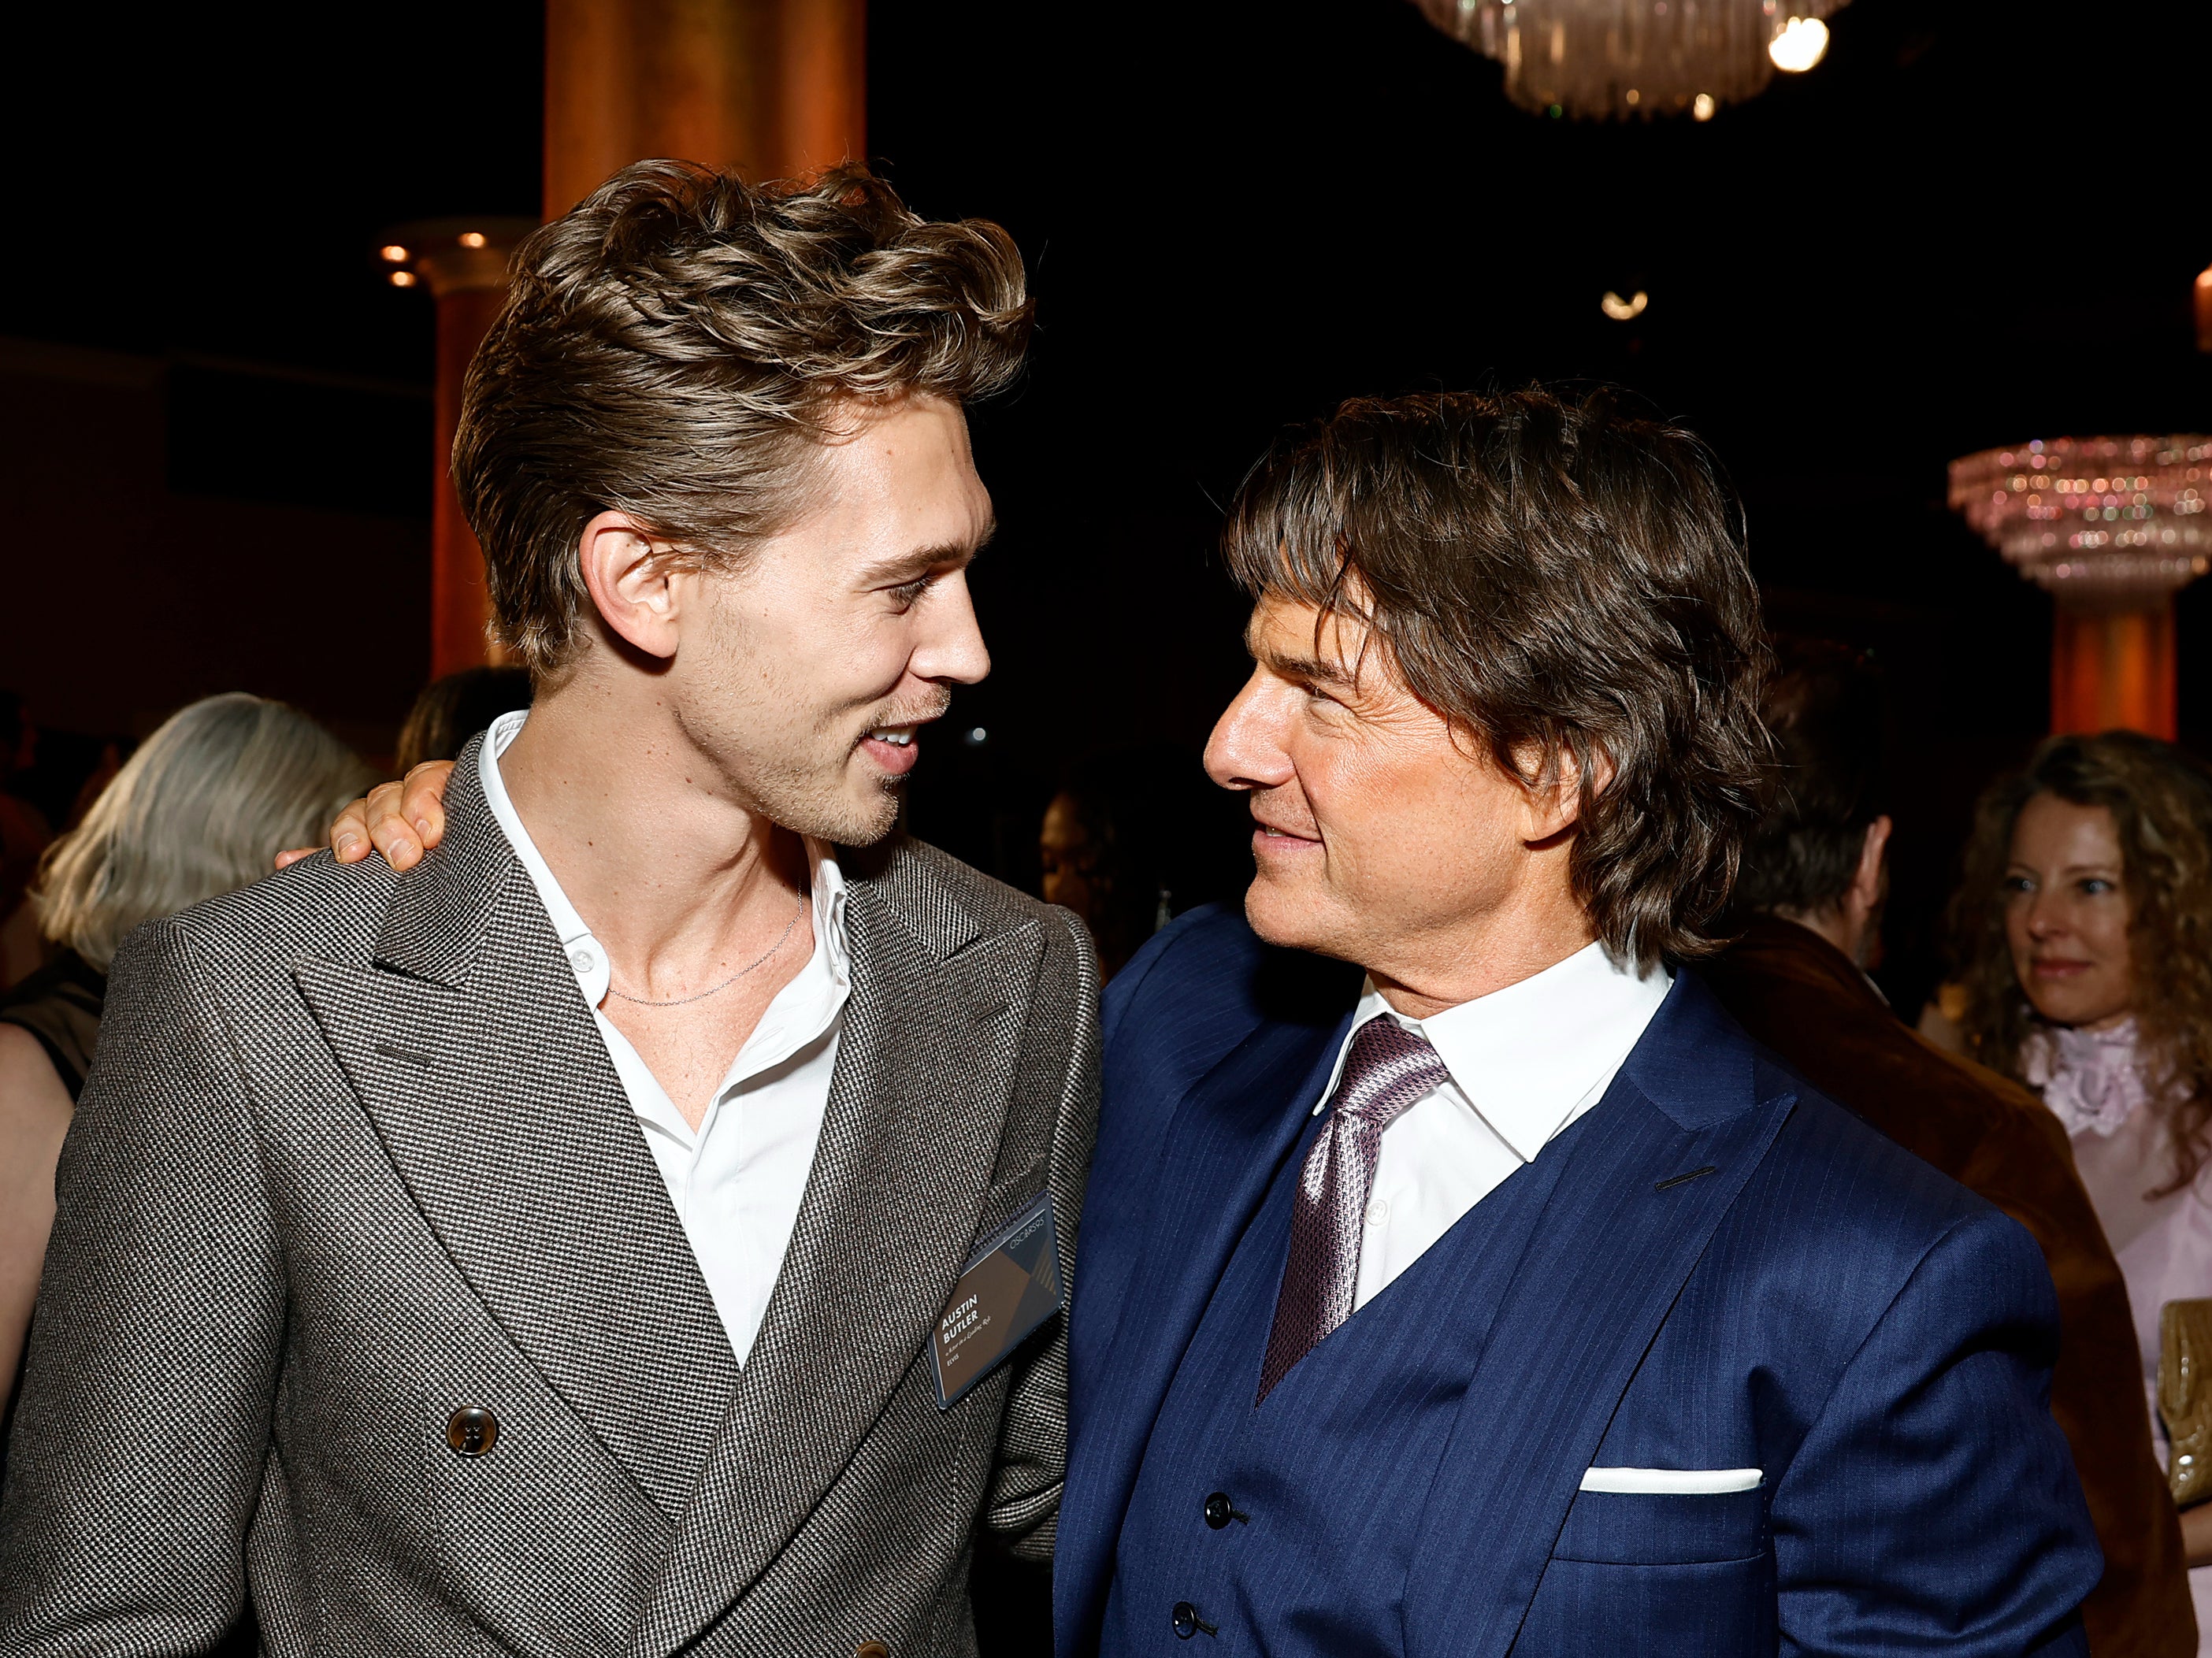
(551, 1247)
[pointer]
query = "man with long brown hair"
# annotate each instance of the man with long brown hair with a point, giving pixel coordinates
(616, 1232)
(1458, 1277)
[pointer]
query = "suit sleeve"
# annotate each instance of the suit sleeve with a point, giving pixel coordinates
(1023, 1502)
(142, 1432)
(1933, 1504)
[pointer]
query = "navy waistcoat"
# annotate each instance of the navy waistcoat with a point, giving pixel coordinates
(1291, 1526)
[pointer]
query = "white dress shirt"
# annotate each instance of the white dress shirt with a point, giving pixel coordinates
(1525, 1062)
(736, 1181)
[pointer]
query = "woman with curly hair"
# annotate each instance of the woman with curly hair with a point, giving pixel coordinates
(2085, 930)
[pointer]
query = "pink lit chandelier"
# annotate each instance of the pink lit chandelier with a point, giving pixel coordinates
(1618, 58)
(2113, 520)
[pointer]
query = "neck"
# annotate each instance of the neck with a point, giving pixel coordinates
(1470, 960)
(1833, 925)
(646, 839)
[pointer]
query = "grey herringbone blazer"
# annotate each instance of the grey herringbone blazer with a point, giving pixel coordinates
(353, 1156)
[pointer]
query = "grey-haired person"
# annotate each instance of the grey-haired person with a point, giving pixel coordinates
(199, 810)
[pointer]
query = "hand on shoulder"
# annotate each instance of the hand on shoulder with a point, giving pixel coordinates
(401, 821)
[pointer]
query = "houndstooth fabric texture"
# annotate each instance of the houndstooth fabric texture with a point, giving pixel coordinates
(1386, 1069)
(353, 1157)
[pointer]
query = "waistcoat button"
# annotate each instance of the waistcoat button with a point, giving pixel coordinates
(1188, 1623)
(872, 1649)
(472, 1430)
(1219, 1511)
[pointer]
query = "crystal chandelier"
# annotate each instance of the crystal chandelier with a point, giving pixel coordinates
(2097, 520)
(1636, 57)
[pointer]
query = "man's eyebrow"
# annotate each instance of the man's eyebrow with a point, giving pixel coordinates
(914, 561)
(1319, 670)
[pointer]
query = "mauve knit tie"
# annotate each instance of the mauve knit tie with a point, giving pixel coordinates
(1388, 1068)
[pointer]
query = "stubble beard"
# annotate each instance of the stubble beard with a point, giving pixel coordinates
(805, 804)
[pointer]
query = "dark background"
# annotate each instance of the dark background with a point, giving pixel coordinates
(1973, 223)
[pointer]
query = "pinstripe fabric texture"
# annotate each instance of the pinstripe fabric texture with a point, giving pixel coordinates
(353, 1157)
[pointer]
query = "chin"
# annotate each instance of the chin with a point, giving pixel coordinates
(844, 816)
(1286, 918)
(861, 822)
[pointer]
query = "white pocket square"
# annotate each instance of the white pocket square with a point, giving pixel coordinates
(1674, 1482)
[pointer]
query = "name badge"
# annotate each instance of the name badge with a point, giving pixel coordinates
(1010, 1287)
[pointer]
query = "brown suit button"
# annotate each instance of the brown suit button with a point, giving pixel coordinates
(473, 1430)
(872, 1649)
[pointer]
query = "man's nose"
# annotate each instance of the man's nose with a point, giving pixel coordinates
(1245, 751)
(953, 649)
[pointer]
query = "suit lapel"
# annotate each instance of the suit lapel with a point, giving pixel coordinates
(486, 1078)
(1223, 1147)
(925, 1070)
(1608, 1260)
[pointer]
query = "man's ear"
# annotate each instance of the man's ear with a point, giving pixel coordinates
(1556, 807)
(1865, 891)
(635, 586)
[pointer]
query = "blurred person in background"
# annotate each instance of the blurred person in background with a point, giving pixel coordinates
(1808, 904)
(23, 835)
(1134, 838)
(199, 809)
(452, 710)
(2083, 928)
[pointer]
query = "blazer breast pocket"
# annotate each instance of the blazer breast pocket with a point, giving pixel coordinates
(1619, 1519)
(1666, 1571)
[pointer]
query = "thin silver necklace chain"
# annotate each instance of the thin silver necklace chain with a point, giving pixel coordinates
(701, 996)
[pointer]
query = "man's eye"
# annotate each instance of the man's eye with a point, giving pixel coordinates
(906, 595)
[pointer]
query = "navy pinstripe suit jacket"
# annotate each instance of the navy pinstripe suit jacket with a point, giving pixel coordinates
(1821, 1306)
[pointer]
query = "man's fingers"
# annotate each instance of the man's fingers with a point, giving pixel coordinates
(422, 799)
(350, 833)
(388, 831)
(400, 820)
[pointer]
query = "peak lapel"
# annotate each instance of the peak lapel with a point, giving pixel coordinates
(486, 1080)
(925, 1068)
(1226, 1141)
(1607, 1263)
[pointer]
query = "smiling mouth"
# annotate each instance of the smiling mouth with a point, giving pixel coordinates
(894, 749)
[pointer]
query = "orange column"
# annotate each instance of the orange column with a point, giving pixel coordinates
(774, 87)
(2114, 669)
(463, 262)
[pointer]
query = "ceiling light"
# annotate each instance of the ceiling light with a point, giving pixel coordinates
(1636, 60)
(1702, 108)
(394, 254)
(1803, 43)
(403, 279)
(476, 238)
(1622, 310)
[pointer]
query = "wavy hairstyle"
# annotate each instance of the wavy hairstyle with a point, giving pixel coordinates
(202, 808)
(680, 345)
(1557, 579)
(2160, 800)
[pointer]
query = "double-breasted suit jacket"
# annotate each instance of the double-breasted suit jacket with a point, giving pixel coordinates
(354, 1160)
